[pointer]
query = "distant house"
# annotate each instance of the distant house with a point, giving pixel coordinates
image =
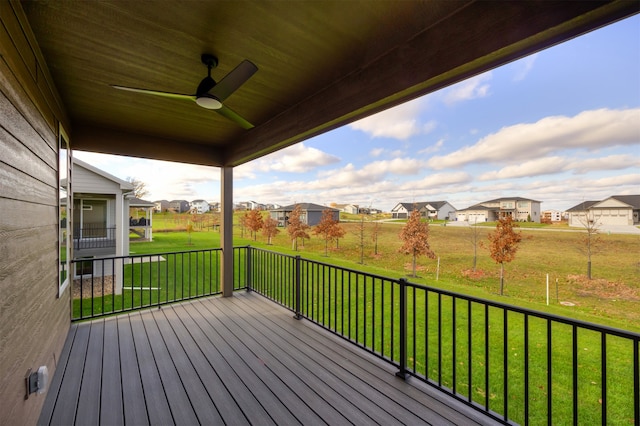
(552, 215)
(199, 206)
(214, 206)
(615, 210)
(441, 210)
(520, 209)
(348, 208)
(161, 206)
(311, 213)
(179, 206)
(250, 205)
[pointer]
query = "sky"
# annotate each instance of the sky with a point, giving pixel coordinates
(561, 126)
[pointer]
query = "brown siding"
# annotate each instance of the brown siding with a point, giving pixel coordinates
(33, 320)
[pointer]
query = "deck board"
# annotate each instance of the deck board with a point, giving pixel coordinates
(238, 360)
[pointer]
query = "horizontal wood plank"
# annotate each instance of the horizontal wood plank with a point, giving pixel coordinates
(236, 360)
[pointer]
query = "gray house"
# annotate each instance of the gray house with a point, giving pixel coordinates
(311, 213)
(100, 212)
(520, 209)
(179, 206)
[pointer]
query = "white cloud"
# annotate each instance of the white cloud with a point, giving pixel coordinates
(433, 148)
(612, 162)
(475, 87)
(540, 166)
(400, 122)
(588, 130)
(376, 152)
(524, 66)
(439, 180)
(297, 158)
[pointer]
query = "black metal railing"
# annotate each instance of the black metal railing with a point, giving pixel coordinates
(515, 365)
(104, 286)
(94, 237)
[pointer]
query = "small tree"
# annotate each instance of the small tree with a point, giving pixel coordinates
(328, 228)
(243, 223)
(254, 222)
(415, 238)
(503, 244)
(474, 239)
(591, 242)
(360, 233)
(375, 232)
(297, 228)
(270, 229)
(139, 188)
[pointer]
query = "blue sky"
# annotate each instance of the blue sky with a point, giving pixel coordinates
(560, 126)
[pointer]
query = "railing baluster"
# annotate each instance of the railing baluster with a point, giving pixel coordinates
(403, 329)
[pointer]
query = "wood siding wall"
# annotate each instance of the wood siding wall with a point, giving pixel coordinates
(33, 320)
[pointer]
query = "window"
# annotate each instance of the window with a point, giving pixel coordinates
(65, 211)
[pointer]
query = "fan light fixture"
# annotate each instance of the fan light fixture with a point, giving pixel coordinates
(209, 102)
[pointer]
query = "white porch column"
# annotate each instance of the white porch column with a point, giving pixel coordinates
(226, 229)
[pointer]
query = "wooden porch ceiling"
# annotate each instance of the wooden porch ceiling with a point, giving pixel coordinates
(321, 64)
(236, 360)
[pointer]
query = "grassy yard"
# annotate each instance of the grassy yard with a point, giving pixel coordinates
(611, 298)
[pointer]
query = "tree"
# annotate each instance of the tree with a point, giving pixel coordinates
(591, 243)
(243, 224)
(270, 229)
(503, 244)
(474, 239)
(254, 222)
(415, 238)
(374, 236)
(297, 228)
(329, 228)
(360, 233)
(139, 188)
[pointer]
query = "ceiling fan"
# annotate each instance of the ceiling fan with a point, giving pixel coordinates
(211, 95)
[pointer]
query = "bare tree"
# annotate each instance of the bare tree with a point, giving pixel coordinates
(139, 187)
(503, 244)
(474, 239)
(375, 232)
(591, 242)
(360, 233)
(415, 237)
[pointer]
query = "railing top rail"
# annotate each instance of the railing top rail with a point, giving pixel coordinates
(146, 255)
(543, 315)
(569, 321)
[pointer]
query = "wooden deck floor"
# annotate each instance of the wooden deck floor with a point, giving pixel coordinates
(238, 360)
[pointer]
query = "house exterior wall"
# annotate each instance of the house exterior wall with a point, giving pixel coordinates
(34, 321)
(86, 181)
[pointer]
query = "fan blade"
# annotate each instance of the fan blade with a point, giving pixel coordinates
(232, 81)
(156, 93)
(234, 116)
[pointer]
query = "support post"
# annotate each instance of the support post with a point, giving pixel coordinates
(402, 373)
(249, 263)
(298, 289)
(226, 230)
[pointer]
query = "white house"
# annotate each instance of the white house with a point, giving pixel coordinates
(520, 209)
(615, 210)
(199, 206)
(347, 208)
(552, 215)
(441, 210)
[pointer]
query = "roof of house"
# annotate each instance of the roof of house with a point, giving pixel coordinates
(421, 204)
(124, 185)
(632, 200)
(310, 207)
(497, 200)
(476, 207)
(137, 202)
(583, 206)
